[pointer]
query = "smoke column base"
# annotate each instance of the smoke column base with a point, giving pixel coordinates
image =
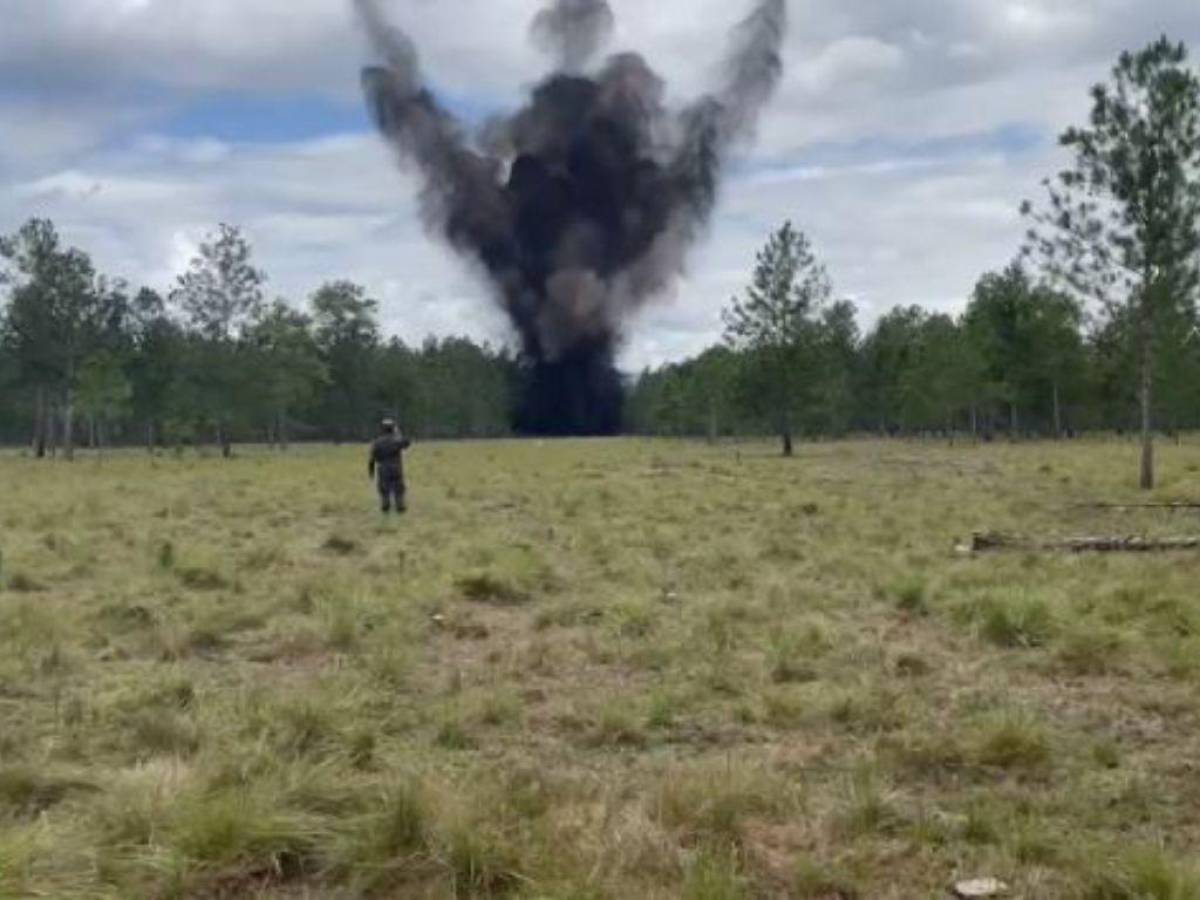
(580, 394)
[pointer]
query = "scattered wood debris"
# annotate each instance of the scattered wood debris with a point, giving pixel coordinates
(990, 541)
(1171, 506)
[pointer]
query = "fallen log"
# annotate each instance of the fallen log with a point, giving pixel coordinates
(1177, 505)
(990, 541)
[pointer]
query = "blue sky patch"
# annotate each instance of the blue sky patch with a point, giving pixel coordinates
(264, 119)
(1011, 139)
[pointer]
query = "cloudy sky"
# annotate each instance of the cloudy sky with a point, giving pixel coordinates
(903, 139)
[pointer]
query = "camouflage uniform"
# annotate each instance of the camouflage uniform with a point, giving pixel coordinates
(386, 464)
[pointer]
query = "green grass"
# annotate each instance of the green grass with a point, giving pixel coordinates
(594, 669)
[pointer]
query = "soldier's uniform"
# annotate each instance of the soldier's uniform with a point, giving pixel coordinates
(386, 465)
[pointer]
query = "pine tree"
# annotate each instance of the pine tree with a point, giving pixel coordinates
(775, 325)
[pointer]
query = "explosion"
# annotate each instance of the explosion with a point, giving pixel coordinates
(581, 205)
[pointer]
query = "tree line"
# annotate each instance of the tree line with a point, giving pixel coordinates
(87, 359)
(1023, 360)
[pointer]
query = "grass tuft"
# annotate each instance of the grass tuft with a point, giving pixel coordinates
(1014, 742)
(341, 546)
(712, 874)
(26, 793)
(23, 583)
(492, 590)
(1015, 621)
(817, 881)
(201, 578)
(161, 732)
(1144, 875)
(1090, 650)
(911, 595)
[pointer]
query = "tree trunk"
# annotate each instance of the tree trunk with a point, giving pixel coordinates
(1058, 432)
(1013, 422)
(91, 432)
(712, 423)
(39, 423)
(281, 431)
(149, 436)
(69, 424)
(1146, 339)
(974, 422)
(223, 441)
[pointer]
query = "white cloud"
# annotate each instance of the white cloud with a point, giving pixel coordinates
(848, 60)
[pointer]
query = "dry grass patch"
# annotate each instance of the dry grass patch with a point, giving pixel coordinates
(602, 669)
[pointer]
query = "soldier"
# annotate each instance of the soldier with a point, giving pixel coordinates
(387, 456)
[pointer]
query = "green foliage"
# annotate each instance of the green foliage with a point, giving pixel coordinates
(777, 329)
(221, 292)
(105, 393)
(1029, 343)
(1123, 222)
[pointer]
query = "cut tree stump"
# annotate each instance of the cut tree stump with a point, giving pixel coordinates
(990, 541)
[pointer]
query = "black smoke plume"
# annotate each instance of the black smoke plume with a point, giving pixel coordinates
(581, 205)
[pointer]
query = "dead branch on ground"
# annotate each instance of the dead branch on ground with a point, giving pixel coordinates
(990, 541)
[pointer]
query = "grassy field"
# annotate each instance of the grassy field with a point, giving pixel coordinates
(595, 670)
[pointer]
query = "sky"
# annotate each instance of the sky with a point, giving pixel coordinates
(903, 139)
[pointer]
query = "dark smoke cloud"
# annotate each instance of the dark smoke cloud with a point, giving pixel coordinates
(581, 205)
(573, 30)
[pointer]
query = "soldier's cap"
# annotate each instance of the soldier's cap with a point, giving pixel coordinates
(388, 424)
